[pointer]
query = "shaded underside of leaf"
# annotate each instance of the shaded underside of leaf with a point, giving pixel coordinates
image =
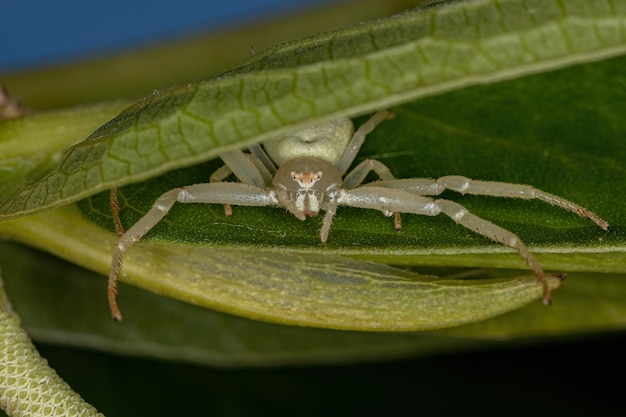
(290, 288)
(63, 304)
(346, 72)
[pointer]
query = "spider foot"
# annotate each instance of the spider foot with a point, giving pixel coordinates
(228, 210)
(116, 314)
(547, 299)
(397, 221)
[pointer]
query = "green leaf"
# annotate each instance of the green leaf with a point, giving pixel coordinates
(28, 386)
(539, 129)
(303, 289)
(493, 144)
(61, 303)
(560, 131)
(32, 146)
(346, 72)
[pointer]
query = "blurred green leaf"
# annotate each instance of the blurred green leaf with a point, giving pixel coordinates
(129, 74)
(28, 385)
(31, 146)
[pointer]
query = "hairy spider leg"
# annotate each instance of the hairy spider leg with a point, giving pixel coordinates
(330, 209)
(464, 185)
(115, 211)
(356, 177)
(352, 150)
(211, 193)
(259, 153)
(248, 168)
(388, 199)
(358, 174)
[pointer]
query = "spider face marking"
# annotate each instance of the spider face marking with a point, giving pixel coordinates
(307, 199)
(311, 177)
(306, 180)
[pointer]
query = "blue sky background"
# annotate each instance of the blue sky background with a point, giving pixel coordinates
(42, 32)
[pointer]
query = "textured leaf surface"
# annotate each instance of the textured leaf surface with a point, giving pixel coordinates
(31, 146)
(511, 132)
(347, 72)
(540, 129)
(521, 137)
(304, 289)
(63, 304)
(481, 142)
(28, 386)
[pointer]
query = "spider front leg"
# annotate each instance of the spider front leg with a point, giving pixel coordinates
(395, 200)
(358, 174)
(248, 168)
(356, 177)
(212, 193)
(464, 185)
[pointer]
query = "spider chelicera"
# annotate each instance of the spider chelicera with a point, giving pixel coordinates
(311, 177)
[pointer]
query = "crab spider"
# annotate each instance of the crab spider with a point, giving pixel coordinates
(311, 177)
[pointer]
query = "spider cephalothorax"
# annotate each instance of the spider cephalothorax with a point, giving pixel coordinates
(311, 177)
(306, 181)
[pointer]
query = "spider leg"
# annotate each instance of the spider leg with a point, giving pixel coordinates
(259, 153)
(358, 138)
(211, 193)
(464, 185)
(115, 211)
(462, 216)
(358, 174)
(284, 200)
(248, 168)
(218, 176)
(330, 209)
(527, 192)
(388, 199)
(421, 186)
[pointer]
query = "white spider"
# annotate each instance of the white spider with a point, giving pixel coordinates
(310, 178)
